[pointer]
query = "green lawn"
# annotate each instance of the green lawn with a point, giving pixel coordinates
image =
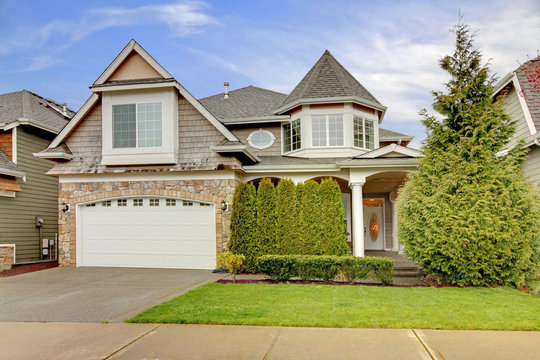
(351, 306)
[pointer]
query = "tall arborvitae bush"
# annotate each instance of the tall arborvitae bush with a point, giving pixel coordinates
(266, 218)
(244, 224)
(333, 239)
(467, 216)
(310, 219)
(286, 230)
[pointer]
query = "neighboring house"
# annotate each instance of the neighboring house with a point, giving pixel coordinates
(147, 172)
(522, 104)
(28, 123)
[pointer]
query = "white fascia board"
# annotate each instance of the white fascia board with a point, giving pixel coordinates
(88, 105)
(53, 155)
(378, 163)
(186, 175)
(207, 114)
(30, 122)
(333, 100)
(502, 83)
(290, 168)
(512, 78)
(390, 149)
(14, 173)
(256, 120)
(132, 45)
(396, 138)
(144, 86)
(235, 148)
(7, 193)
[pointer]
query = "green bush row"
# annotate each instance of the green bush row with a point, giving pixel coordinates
(326, 267)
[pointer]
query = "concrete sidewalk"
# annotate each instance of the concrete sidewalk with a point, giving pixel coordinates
(153, 341)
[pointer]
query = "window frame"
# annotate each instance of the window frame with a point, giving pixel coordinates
(136, 104)
(327, 130)
(289, 137)
(364, 137)
(253, 133)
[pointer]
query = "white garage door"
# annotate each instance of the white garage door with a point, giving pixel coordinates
(147, 232)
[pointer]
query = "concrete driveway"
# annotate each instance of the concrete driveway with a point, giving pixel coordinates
(93, 294)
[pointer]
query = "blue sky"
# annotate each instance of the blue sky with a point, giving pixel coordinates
(58, 48)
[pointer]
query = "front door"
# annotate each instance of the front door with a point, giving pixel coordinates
(374, 224)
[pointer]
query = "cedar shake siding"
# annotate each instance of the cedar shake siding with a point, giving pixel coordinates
(39, 197)
(196, 136)
(242, 133)
(6, 143)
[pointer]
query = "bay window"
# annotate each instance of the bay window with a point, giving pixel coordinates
(364, 133)
(327, 130)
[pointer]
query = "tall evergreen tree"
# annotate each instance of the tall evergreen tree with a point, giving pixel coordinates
(467, 216)
(310, 224)
(266, 218)
(333, 238)
(243, 224)
(286, 217)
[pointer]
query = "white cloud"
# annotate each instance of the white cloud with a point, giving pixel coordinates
(41, 62)
(182, 18)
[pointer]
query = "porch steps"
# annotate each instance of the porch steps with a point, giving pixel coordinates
(409, 271)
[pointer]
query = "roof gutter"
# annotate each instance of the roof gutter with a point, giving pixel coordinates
(30, 122)
(257, 120)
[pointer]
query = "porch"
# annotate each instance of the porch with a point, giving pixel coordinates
(406, 272)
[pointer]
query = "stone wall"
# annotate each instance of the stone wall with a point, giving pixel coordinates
(7, 256)
(83, 192)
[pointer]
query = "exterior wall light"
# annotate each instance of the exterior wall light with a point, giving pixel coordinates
(224, 205)
(65, 207)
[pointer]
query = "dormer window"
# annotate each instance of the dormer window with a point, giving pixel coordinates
(292, 139)
(137, 125)
(327, 130)
(364, 133)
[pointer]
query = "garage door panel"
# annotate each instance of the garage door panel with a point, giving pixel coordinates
(145, 236)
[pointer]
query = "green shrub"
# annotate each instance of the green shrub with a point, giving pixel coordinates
(243, 225)
(333, 240)
(287, 229)
(310, 219)
(353, 268)
(312, 267)
(233, 262)
(277, 267)
(380, 269)
(266, 218)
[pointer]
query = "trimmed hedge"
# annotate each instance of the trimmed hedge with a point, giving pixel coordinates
(326, 267)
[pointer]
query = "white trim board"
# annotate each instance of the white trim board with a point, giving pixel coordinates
(512, 78)
(83, 178)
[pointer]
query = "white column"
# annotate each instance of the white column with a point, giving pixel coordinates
(395, 241)
(357, 219)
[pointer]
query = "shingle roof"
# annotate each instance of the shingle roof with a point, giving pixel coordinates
(328, 78)
(389, 134)
(246, 102)
(532, 96)
(8, 167)
(34, 108)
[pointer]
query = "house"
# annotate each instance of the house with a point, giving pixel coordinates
(522, 104)
(28, 123)
(147, 172)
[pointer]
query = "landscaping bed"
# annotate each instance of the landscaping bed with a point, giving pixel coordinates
(26, 268)
(320, 305)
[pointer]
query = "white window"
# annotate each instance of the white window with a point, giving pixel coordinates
(261, 139)
(364, 133)
(137, 202)
(154, 202)
(137, 125)
(204, 204)
(121, 202)
(106, 203)
(327, 130)
(170, 202)
(292, 139)
(187, 203)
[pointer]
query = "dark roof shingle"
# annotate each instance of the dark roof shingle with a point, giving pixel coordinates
(328, 78)
(8, 166)
(27, 105)
(531, 95)
(246, 102)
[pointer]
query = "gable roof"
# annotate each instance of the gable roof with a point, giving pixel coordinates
(103, 84)
(244, 103)
(8, 167)
(389, 135)
(392, 150)
(529, 98)
(27, 108)
(329, 79)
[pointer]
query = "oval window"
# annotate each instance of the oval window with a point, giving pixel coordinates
(261, 139)
(373, 227)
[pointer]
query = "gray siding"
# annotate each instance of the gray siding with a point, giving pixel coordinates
(242, 133)
(39, 197)
(514, 110)
(531, 166)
